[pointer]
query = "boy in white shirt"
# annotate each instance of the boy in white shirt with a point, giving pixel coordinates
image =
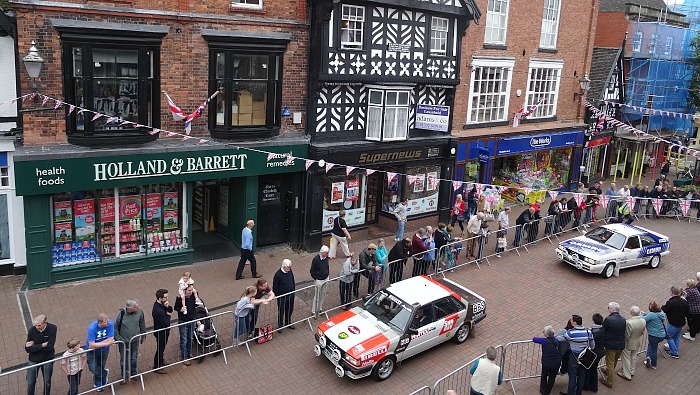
(73, 362)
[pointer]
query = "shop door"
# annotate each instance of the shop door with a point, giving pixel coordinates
(275, 205)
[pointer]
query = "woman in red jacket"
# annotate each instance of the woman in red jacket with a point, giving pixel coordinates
(458, 213)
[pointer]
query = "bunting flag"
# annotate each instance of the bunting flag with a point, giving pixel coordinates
(631, 200)
(685, 205)
(370, 171)
(154, 131)
(411, 179)
(97, 115)
(604, 199)
(434, 183)
(71, 108)
(526, 113)
(197, 113)
(329, 166)
(456, 185)
(201, 141)
(349, 169)
(553, 194)
(309, 162)
(657, 203)
(125, 123)
(58, 104)
(270, 156)
(82, 110)
(288, 160)
(178, 114)
(479, 188)
(600, 125)
(44, 100)
(169, 134)
(390, 177)
(185, 138)
(527, 191)
(579, 198)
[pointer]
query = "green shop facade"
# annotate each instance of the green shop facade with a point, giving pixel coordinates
(90, 214)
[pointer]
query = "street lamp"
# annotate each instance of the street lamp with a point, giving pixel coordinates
(32, 63)
(585, 83)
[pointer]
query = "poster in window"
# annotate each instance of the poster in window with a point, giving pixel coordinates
(472, 170)
(337, 192)
(170, 220)
(63, 231)
(62, 211)
(352, 190)
(84, 220)
(432, 181)
(129, 207)
(543, 159)
(170, 201)
(419, 184)
(153, 212)
(107, 210)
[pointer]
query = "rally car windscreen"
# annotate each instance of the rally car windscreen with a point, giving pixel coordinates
(607, 237)
(389, 309)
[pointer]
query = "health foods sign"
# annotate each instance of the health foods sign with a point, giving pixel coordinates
(75, 174)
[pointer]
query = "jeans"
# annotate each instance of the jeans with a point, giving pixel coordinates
(547, 378)
(186, 332)
(518, 235)
(46, 372)
(133, 354)
(161, 342)
(577, 373)
(454, 219)
(253, 318)
(96, 361)
(285, 308)
(74, 383)
(674, 334)
(241, 328)
(399, 231)
(652, 349)
(246, 255)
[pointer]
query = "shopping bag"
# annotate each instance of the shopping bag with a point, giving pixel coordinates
(264, 334)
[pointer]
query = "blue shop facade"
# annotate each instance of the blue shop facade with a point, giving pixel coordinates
(539, 160)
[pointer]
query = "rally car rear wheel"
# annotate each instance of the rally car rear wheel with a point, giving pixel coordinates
(384, 368)
(609, 270)
(655, 261)
(462, 334)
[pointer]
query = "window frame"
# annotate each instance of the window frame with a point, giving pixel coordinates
(356, 45)
(652, 43)
(554, 36)
(491, 16)
(258, 6)
(478, 63)
(637, 42)
(669, 45)
(445, 40)
(383, 106)
(543, 65)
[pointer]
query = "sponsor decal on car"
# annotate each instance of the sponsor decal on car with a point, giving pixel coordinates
(343, 335)
(449, 324)
(478, 307)
(373, 354)
(585, 246)
(354, 330)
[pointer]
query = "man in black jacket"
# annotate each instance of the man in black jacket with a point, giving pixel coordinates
(398, 256)
(185, 316)
(161, 320)
(368, 264)
(283, 283)
(614, 326)
(41, 339)
(319, 272)
(572, 206)
(676, 309)
(525, 218)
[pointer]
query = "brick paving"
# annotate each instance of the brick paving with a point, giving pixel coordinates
(523, 294)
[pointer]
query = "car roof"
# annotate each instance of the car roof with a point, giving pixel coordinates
(419, 289)
(624, 229)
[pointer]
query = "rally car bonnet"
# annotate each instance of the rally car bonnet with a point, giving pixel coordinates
(585, 246)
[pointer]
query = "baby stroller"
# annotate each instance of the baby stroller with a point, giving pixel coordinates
(205, 333)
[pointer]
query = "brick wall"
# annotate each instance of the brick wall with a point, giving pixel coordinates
(574, 47)
(184, 54)
(611, 29)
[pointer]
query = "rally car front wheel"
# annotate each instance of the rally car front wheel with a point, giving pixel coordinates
(655, 261)
(609, 270)
(384, 368)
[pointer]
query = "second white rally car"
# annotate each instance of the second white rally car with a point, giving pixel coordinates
(396, 323)
(609, 248)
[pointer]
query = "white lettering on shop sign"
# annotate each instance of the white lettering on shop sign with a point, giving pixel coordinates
(54, 171)
(159, 167)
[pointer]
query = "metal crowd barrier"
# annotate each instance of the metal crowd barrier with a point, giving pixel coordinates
(424, 390)
(460, 378)
(15, 381)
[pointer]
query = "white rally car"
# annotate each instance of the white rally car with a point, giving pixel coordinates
(396, 323)
(612, 247)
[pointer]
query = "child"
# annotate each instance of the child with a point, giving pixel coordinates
(72, 364)
(244, 307)
(382, 255)
(458, 247)
(451, 253)
(184, 282)
(501, 243)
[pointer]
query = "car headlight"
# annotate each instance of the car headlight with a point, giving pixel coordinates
(351, 360)
(322, 341)
(589, 260)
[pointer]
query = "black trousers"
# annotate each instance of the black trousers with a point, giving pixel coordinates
(396, 271)
(345, 293)
(253, 318)
(547, 378)
(285, 308)
(356, 285)
(417, 267)
(161, 342)
(246, 255)
(590, 380)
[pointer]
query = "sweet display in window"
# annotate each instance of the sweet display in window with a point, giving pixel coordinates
(74, 230)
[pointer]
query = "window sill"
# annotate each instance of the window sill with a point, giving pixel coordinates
(248, 9)
(501, 47)
(479, 125)
(112, 139)
(245, 132)
(547, 50)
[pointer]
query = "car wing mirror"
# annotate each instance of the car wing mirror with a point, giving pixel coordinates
(412, 331)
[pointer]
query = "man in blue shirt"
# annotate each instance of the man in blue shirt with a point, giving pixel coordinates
(100, 337)
(579, 338)
(247, 251)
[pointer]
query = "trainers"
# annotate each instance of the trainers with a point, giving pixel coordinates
(687, 336)
(106, 377)
(647, 362)
(498, 255)
(666, 346)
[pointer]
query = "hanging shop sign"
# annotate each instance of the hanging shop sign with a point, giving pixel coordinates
(430, 117)
(87, 173)
(514, 145)
(483, 154)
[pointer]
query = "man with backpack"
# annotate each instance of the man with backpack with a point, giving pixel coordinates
(130, 322)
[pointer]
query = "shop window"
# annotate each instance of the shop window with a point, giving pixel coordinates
(387, 115)
(496, 22)
(420, 186)
(550, 24)
(5, 246)
(344, 192)
(130, 222)
(352, 25)
(490, 90)
(439, 28)
(256, 4)
(547, 169)
(543, 88)
(471, 171)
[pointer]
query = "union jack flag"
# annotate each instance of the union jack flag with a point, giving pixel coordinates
(526, 113)
(178, 114)
(600, 125)
(603, 199)
(197, 113)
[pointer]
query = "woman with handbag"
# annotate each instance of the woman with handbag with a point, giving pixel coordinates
(458, 213)
(656, 330)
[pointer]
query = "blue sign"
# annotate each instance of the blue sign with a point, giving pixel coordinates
(430, 117)
(483, 154)
(514, 145)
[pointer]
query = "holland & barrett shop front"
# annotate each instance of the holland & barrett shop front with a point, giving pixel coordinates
(89, 216)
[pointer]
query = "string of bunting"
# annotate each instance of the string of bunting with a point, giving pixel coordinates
(653, 111)
(289, 159)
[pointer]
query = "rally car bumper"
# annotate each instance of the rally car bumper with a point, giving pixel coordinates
(576, 260)
(342, 367)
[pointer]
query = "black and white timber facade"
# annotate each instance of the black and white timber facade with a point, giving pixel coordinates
(382, 77)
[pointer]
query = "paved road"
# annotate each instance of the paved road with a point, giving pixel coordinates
(523, 294)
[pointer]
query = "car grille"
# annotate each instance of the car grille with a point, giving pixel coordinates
(572, 253)
(332, 347)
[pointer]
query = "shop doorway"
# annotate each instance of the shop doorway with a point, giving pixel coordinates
(210, 203)
(276, 203)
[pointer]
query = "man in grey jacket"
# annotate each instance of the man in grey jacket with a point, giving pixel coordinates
(129, 323)
(400, 214)
(351, 266)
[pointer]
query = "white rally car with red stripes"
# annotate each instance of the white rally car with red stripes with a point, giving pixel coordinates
(396, 323)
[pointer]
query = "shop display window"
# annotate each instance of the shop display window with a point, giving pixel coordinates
(130, 221)
(548, 169)
(421, 188)
(348, 193)
(392, 190)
